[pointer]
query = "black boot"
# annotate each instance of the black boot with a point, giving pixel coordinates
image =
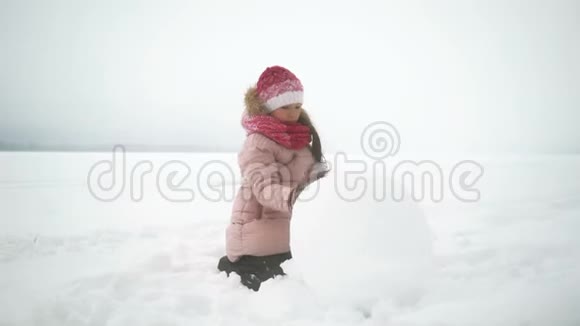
(254, 270)
(224, 265)
(251, 281)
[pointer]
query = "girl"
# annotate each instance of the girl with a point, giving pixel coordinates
(277, 162)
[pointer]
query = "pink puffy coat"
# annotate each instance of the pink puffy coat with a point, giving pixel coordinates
(260, 220)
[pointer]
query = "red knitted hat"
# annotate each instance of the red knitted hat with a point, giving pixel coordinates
(278, 86)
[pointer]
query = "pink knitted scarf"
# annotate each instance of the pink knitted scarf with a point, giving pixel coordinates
(292, 135)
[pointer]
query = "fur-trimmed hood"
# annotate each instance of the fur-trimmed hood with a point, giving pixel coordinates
(254, 105)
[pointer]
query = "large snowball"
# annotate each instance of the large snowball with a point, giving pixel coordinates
(362, 251)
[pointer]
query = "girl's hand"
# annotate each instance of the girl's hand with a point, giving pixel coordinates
(318, 171)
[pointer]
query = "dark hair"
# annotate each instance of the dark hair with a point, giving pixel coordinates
(316, 147)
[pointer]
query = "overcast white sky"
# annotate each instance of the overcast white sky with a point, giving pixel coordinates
(483, 76)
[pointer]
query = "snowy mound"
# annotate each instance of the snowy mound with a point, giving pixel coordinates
(355, 252)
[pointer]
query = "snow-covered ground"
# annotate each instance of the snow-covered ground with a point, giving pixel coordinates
(66, 258)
